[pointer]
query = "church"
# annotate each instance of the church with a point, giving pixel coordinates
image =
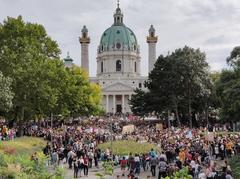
(118, 63)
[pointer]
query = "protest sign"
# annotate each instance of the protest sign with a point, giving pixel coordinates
(128, 129)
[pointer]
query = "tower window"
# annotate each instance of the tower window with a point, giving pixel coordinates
(135, 67)
(140, 85)
(118, 65)
(101, 67)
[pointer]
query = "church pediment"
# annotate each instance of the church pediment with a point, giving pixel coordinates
(118, 87)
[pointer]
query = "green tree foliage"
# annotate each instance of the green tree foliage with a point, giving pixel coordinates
(85, 98)
(177, 81)
(234, 58)
(138, 102)
(228, 90)
(228, 87)
(6, 94)
(40, 82)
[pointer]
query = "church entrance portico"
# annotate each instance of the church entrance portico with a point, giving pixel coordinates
(116, 103)
(116, 98)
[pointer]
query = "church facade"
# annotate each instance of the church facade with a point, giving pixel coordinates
(118, 63)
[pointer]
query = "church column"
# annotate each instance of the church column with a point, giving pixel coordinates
(130, 97)
(107, 107)
(123, 105)
(151, 40)
(114, 104)
(84, 40)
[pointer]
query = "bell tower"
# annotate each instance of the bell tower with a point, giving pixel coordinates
(84, 41)
(151, 40)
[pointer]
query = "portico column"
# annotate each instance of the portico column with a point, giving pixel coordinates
(114, 104)
(123, 105)
(130, 96)
(107, 108)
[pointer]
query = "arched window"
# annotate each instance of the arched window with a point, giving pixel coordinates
(135, 67)
(134, 47)
(101, 67)
(118, 65)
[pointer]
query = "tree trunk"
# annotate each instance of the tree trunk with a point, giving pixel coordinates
(190, 112)
(177, 116)
(20, 123)
(189, 105)
(206, 112)
(169, 124)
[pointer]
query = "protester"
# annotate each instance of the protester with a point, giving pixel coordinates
(77, 145)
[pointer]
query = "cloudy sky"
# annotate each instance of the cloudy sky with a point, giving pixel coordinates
(211, 25)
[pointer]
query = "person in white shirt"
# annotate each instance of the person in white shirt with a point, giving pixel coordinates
(202, 175)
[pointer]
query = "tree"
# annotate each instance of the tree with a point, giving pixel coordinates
(176, 81)
(234, 59)
(24, 49)
(228, 89)
(40, 82)
(85, 98)
(138, 103)
(6, 94)
(228, 86)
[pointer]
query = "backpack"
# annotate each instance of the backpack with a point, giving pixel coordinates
(162, 167)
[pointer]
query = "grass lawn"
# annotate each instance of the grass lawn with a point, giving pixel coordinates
(124, 147)
(23, 145)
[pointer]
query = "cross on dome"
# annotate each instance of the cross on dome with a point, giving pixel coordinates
(118, 3)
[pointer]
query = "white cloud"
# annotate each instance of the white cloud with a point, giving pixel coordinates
(211, 25)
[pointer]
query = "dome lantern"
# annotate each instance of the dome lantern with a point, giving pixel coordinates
(118, 16)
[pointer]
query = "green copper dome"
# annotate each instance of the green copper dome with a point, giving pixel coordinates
(118, 38)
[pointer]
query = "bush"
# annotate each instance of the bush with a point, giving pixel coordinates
(183, 173)
(22, 167)
(235, 166)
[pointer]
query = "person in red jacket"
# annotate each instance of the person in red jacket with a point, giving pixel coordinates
(85, 165)
(123, 165)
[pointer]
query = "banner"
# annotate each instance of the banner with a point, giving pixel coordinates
(210, 136)
(159, 127)
(128, 129)
(189, 135)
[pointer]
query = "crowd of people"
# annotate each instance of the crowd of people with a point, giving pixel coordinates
(201, 153)
(5, 132)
